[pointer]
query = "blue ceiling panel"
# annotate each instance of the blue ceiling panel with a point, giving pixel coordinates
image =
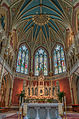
(32, 12)
(51, 6)
(52, 27)
(49, 12)
(29, 27)
(24, 5)
(28, 17)
(44, 32)
(37, 32)
(53, 23)
(47, 30)
(54, 17)
(28, 24)
(57, 4)
(31, 5)
(34, 30)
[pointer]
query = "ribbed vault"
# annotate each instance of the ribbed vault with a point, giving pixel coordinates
(37, 17)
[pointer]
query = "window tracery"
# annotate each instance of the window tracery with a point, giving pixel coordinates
(41, 62)
(59, 60)
(23, 60)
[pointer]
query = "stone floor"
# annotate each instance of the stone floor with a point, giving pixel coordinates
(14, 115)
(7, 114)
(71, 116)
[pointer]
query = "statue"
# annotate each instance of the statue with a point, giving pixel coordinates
(2, 21)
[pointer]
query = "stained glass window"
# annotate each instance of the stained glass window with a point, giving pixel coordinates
(41, 62)
(23, 59)
(59, 60)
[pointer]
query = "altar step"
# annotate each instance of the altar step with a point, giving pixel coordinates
(6, 109)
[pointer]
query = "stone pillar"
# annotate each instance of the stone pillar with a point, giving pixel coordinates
(7, 91)
(11, 91)
(15, 39)
(70, 81)
(31, 73)
(51, 72)
(2, 72)
(67, 37)
(5, 43)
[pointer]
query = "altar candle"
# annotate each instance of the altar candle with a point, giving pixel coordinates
(62, 99)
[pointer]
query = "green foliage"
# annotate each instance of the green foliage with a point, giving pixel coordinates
(29, 100)
(49, 100)
(60, 96)
(22, 94)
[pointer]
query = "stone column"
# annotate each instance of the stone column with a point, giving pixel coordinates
(50, 59)
(2, 72)
(31, 73)
(70, 81)
(15, 38)
(10, 101)
(5, 41)
(7, 90)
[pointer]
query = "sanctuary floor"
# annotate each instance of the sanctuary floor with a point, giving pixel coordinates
(14, 115)
(72, 116)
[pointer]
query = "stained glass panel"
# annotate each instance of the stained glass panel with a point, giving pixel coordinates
(59, 60)
(23, 59)
(41, 62)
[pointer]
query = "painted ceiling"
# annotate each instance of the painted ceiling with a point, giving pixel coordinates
(41, 14)
(47, 19)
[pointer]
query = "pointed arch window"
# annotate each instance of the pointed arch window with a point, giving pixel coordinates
(23, 60)
(59, 60)
(41, 62)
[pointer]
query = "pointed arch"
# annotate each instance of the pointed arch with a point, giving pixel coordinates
(23, 60)
(59, 60)
(41, 61)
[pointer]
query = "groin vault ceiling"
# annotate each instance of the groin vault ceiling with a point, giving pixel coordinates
(41, 19)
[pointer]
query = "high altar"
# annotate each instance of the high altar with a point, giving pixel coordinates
(41, 89)
(43, 110)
